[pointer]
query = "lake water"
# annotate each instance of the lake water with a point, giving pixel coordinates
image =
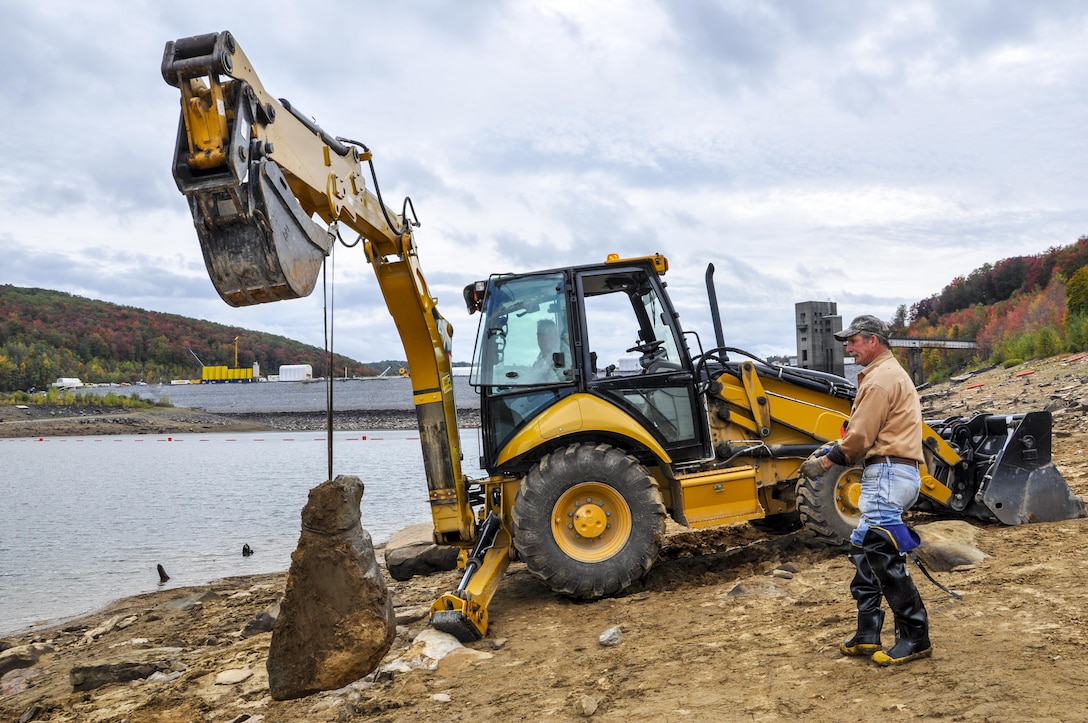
(85, 520)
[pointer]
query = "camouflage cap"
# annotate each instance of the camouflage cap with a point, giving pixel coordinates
(864, 324)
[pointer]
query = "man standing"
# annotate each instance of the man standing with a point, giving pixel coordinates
(885, 434)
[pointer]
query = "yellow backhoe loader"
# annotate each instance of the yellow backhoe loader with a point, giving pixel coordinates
(588, 443)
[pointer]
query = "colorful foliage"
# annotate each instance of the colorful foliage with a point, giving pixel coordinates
(994, 283)
(49, 334)
(1017, 309)
(1076, 292)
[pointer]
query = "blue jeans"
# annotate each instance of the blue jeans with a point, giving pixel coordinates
(887, 490)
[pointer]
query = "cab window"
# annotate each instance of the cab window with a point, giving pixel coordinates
(524, 338)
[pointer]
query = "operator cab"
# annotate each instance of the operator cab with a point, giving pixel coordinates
(606, 330)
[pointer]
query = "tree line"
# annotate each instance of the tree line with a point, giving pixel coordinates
(48, 334)
(1020, 308)
(993, 283)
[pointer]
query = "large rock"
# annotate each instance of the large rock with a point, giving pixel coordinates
(22, 656)
(89, 677)
(948, 544)
(336, 620)
(412, 552)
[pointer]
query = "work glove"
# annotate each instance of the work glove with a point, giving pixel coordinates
(817, 464)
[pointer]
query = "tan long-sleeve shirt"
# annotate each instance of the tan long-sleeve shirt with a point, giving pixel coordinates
(887, 415)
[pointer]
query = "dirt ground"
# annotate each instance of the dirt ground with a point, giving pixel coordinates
(707, 635)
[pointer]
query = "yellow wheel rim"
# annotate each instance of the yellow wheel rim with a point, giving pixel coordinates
(591, 522)
(848, 494)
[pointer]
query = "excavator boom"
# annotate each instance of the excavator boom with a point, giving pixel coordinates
(268, 189)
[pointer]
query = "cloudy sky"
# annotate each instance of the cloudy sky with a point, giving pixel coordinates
(859, 152)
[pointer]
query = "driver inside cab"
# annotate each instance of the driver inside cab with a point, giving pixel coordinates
(551, 364)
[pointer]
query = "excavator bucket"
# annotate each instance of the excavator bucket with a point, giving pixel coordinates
(1023, 485)
(258, 245)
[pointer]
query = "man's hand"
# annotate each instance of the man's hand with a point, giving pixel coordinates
(817, 464)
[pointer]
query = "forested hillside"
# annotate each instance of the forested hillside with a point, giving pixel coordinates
(48, 334)
(1019, 308)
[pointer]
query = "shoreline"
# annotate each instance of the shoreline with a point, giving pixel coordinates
(81, 421)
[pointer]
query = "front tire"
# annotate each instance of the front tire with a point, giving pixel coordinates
(829, 503)
(588, 520)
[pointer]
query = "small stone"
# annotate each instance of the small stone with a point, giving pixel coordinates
(16, 681)
(31, 713)
(611, 637)
(102, 629)
(589, 705)
(409, 615)
(130, 620)
(264, 622)
(441, 697)
(234, 676)
(84, 678)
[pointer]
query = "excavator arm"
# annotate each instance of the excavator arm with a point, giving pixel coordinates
(268, 190)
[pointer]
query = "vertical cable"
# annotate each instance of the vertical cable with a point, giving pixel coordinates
(328, 310)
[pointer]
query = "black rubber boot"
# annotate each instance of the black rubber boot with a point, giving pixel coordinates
(866, 590)
(911, 621)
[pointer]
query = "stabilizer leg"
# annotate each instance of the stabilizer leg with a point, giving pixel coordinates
(463, 612)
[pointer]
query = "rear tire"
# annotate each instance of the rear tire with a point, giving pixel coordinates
(829, 504)
(588, 520)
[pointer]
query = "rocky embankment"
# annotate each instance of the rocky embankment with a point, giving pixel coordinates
(348, 419)
(1058, 385)
(68, 421)
(90, 421)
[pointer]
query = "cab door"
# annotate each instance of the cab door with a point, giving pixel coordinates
(523, 362)
(636, 357)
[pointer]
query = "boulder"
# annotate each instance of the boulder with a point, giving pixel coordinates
(22, 656)
(412, 552)
(948, 544)
(430, 648)
(89, 677)
(336, 619)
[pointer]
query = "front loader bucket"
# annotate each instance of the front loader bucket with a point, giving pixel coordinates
(1023, 484)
